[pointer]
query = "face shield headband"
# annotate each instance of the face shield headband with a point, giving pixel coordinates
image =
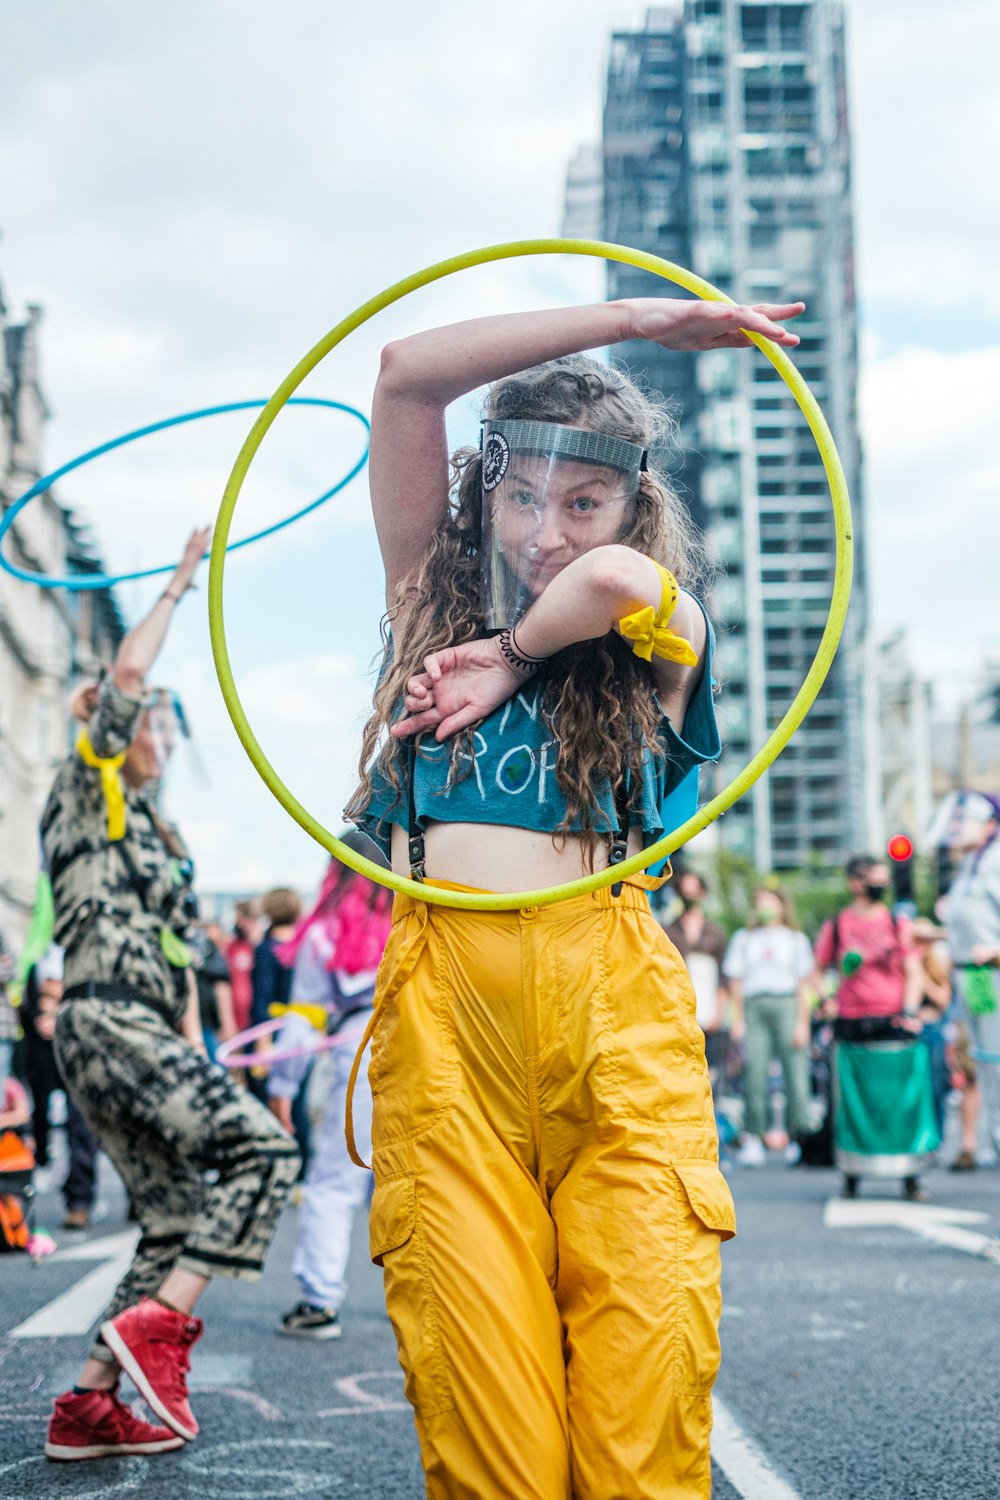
(550, 494)
(959, 822)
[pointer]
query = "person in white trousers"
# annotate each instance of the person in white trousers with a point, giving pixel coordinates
(335, 951)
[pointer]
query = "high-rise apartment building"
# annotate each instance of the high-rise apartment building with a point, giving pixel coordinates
(726, 150)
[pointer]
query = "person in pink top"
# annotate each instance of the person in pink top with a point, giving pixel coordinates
(870, 946)
(884, 1124)
(239, 956)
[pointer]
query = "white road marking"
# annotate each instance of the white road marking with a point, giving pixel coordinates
(100, 1249)
(742, 1462)
(76, 1311)
(942, 1225)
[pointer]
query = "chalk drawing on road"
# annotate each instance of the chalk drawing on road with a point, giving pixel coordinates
(127, 1476)
(261, 1406)
(941, 1225)
(76, 1311)
(742, 1462)
(264, 1469)
(363, 1402)
(823, 1328)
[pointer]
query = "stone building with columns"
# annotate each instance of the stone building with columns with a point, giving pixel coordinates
(49, 638)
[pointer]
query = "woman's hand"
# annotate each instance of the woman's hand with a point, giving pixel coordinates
(194, 551)
(698, 326)
(458, 687)
(800, 1034)
(281, 1109)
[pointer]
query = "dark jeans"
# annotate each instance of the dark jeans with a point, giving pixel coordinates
(44, 1079)
(78, 1189)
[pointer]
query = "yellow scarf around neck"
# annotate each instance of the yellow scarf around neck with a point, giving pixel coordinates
(111, 783)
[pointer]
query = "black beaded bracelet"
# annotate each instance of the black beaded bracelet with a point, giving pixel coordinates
(527, 665)
(525, 655)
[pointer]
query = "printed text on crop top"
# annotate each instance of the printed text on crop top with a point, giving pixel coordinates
(511, 779)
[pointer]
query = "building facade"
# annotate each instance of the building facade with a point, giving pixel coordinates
(48, 637)
(726, 149)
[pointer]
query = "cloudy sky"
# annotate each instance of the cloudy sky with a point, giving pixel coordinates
(196, 192)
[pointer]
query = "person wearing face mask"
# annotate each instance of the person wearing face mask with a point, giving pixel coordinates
(767, 966)
(967, 825)
(884, 1120)
(206, 1166)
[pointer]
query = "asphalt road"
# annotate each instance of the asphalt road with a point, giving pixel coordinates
(859, 1362)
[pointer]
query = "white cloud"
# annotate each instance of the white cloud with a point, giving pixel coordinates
(932, 481)
(307, 713)
(925, 111)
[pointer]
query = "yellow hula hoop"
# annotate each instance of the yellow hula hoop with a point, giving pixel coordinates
(490, 900)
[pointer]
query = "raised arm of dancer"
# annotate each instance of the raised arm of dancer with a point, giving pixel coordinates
(408, 467)
(142, 645)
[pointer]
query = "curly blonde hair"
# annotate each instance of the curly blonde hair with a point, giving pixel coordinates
(597, 692)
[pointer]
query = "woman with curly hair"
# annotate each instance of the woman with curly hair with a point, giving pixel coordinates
(548, 1206)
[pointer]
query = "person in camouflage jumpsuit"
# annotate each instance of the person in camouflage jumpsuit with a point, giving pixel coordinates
(206, 1165)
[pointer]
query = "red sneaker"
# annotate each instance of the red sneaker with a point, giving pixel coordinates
(152, 1344)
(97, 1425)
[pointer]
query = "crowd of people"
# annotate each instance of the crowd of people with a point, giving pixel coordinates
(848, 1049)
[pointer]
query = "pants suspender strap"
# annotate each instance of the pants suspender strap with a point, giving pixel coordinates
(619, 841)
(415, 833)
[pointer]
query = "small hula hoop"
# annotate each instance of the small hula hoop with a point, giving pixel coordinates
(229, 1058)
(81, 582)
(769, 751)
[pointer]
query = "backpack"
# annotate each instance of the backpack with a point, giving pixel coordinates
(14, 1232)
(16, 1166)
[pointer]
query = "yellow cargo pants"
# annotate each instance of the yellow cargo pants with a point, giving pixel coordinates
(548, 1206)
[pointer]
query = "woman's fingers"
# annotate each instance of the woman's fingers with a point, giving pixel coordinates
(432, 665)
(461, 719)
(779, 310)
(415, 723)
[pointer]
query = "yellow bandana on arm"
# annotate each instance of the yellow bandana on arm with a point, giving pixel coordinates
(111, 783)
(647, 628)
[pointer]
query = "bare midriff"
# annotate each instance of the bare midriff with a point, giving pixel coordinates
(494, 857)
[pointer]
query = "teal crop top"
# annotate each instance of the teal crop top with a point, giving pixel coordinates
(512, 780)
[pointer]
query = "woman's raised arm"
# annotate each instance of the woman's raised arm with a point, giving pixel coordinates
(420, 375)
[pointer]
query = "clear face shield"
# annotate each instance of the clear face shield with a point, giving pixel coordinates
(550, 494)
(162, 727)
(961, 821)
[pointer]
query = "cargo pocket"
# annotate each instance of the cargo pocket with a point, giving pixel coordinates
(705, 1217)
(397, 1244)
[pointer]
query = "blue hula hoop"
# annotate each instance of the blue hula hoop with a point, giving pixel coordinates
(81, 582)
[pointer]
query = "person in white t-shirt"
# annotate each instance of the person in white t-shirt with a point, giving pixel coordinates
(767, 965)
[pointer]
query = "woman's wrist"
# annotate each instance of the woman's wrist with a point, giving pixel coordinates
(521, 663)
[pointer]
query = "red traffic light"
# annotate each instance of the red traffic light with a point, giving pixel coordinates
(900, 848)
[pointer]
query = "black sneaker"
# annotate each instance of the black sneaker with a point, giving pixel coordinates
(913, 1192)
(309, 1322)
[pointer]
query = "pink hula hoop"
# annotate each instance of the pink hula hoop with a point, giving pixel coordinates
(227, 1055)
